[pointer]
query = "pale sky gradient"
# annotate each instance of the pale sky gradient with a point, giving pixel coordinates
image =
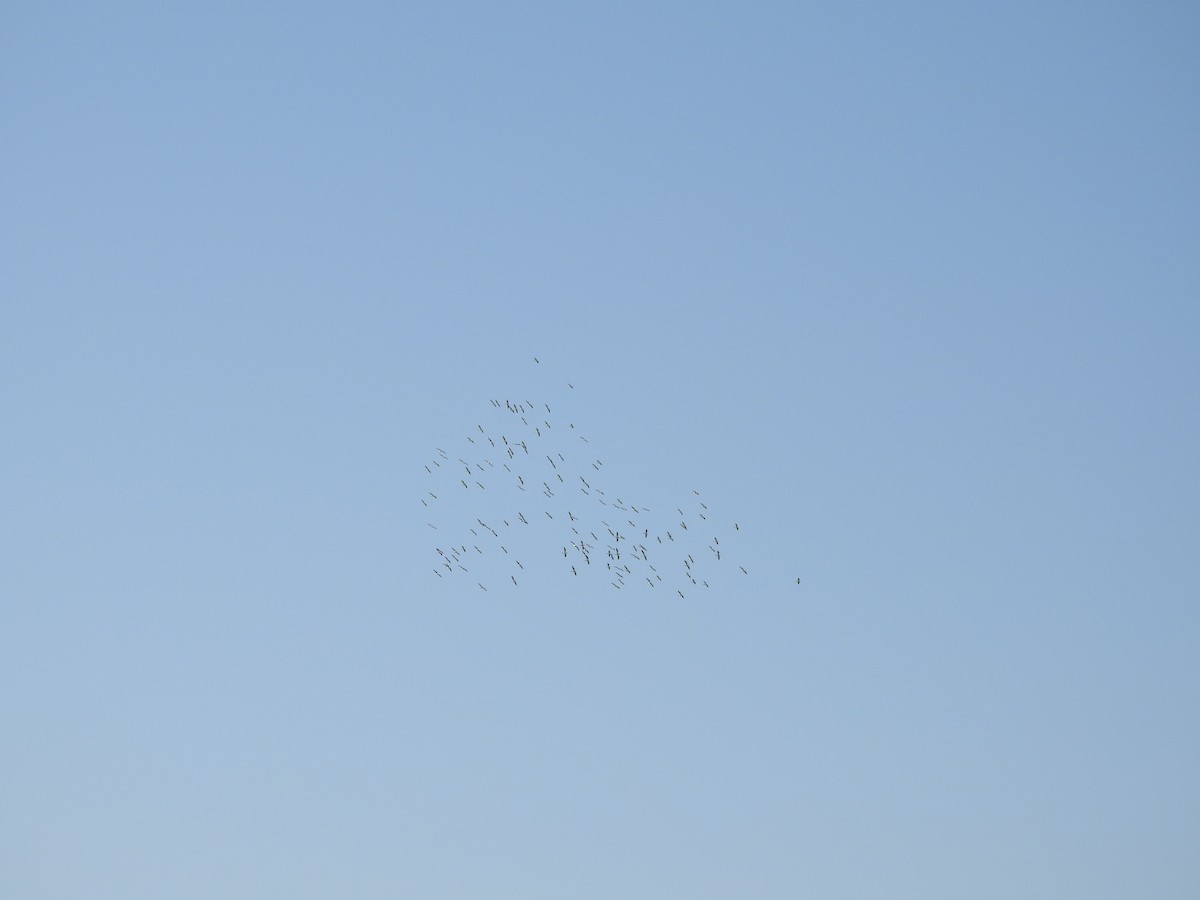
(909, 291)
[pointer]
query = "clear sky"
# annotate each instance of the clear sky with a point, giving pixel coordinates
(908, 291)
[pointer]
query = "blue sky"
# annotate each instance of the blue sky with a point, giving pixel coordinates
(908, 292)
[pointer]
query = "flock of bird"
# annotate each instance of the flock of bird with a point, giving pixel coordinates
(530, 473)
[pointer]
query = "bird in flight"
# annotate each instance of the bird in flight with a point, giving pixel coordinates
(637, 516)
